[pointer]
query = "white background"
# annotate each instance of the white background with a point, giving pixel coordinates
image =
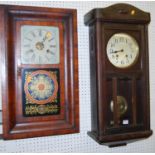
(81, 142)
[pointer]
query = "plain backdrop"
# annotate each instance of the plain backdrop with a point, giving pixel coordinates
(81, 142)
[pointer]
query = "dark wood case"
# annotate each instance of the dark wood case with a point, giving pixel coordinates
(108, 81)
(15, 124)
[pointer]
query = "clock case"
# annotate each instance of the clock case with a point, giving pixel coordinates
(15, 124)
(108, 82)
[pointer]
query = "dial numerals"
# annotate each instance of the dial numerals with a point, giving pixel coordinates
(122, 50)
(40, 45)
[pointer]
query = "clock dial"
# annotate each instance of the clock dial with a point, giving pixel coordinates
(122, 50)
(39, 45)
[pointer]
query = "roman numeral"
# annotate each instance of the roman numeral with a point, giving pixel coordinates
(33, 34)
(40, 33)
(29, 51)
(28, 39)
(51, 39)
(52, 45)
(33, 57)
(40, 59)
(47, 58)
(28, 45)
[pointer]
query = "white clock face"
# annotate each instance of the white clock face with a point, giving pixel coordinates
(40, 45)
(122, 50)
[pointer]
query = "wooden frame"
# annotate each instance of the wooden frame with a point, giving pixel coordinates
(108, 82)
(15, 125)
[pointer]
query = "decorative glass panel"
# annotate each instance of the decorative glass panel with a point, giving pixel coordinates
(40, 92)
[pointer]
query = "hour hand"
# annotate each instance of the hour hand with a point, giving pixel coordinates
(118, 51)
(48, 51)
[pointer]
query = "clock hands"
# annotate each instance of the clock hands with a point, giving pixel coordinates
(48, 51)
(117, 51)
(44, 39)
(47, 36)
(40, 45)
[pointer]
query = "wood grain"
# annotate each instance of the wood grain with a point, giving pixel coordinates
(15, 125)
(108, 82)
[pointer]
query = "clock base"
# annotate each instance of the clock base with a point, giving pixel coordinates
(119, 139)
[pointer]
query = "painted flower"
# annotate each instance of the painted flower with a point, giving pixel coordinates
(41, 87)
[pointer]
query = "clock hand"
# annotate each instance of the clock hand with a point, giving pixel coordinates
(40, 45)
(44, 39)
(48, 51)
(47, 35)
(118, 51)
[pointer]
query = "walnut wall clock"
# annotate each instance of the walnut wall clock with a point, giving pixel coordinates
(39, 68)
(119, 64)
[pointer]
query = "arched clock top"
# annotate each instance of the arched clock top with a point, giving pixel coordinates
(119, 13)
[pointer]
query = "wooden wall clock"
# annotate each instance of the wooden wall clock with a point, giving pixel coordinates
(39, 68)
(119, 64)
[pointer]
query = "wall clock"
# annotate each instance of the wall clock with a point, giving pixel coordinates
(39, 68)
(119, 64)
